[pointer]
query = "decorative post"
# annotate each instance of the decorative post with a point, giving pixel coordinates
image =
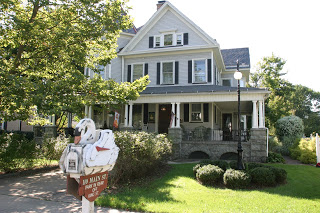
(238, 76)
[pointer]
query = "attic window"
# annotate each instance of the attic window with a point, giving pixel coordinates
(168, 39)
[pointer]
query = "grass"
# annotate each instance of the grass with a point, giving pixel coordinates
(178, 191)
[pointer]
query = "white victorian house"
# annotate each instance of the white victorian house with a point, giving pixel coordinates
(192, 95)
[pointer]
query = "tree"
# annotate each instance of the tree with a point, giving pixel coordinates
(269, 75)
(285, 98)
(44, 47)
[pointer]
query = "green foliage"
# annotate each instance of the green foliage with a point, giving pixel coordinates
(280, 174)
(16, 151)
(285, 98)
(304, 150)
(209, 174)
(195, 169)
(275, 158)
(141, 154)
(289, 126)
(263, 176)
(236, 179)
(52, 148)
(44, 47)
(253, 165)
(221, 163)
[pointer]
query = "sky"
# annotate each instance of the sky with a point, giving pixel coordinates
(289, 29)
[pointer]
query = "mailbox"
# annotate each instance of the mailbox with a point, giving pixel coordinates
(88, 160)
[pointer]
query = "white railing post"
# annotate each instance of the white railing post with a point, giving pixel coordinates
(318, 148)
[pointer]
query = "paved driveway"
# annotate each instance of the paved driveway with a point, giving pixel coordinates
(42, 192)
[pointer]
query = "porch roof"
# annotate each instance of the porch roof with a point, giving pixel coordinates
(197, 89)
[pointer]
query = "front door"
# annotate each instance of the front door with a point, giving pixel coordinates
(164, 117)
(227, 126)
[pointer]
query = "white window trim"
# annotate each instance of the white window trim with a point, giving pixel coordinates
(174, 39)
(190, 113)
(206, 71)
(132, 69)
(231, 81)
(161, 72)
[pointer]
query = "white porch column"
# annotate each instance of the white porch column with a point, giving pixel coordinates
(254, 115)
(178, 115)
(86, 111)
(261, 115)
(156, 121)
(90, 112)
(130, 114)
(126, 115)
(173, 110)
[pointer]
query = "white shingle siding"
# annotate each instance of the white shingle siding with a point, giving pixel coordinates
(169, 22)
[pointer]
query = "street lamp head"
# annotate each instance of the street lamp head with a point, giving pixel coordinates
(237, 75)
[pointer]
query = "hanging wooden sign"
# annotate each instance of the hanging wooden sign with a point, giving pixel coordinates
(91, 186)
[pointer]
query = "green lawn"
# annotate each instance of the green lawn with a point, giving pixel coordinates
(178, 191)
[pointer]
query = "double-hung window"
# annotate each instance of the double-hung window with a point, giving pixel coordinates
(199, 71)
(168, 39)
(137, 71)
(167, 73)
(157, 41)
(196, 112)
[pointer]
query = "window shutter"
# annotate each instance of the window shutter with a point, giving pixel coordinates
(151, 42)
(146, 69)
(206, 112)
(129, 73)
(190, 72)
(145, 113)
(185, 38)
(158, 73)
(176, 72)
(186, 112)
(209, 70)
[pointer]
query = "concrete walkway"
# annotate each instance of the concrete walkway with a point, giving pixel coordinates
(41, 192)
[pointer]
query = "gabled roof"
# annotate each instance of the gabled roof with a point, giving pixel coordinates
(230, 57)
(157, 15)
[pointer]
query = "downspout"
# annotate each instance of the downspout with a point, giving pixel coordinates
(122, 69)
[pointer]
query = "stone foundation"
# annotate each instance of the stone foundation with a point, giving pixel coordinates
(254, 150)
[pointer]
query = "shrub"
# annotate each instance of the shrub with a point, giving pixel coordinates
(141, 154)
(195, 168)
(221, 163)
(280, 174)
(289, 126)
(209, 174)
(236, 179)
(233, 164)
(16, 152)
(206, 162)
(263, 176)
(52, 148)
(253, 165)
(275, 158)
(304, 150)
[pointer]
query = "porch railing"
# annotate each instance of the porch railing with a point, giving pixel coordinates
(207, 134)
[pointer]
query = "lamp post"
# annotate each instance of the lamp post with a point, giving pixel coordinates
(238, 76)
